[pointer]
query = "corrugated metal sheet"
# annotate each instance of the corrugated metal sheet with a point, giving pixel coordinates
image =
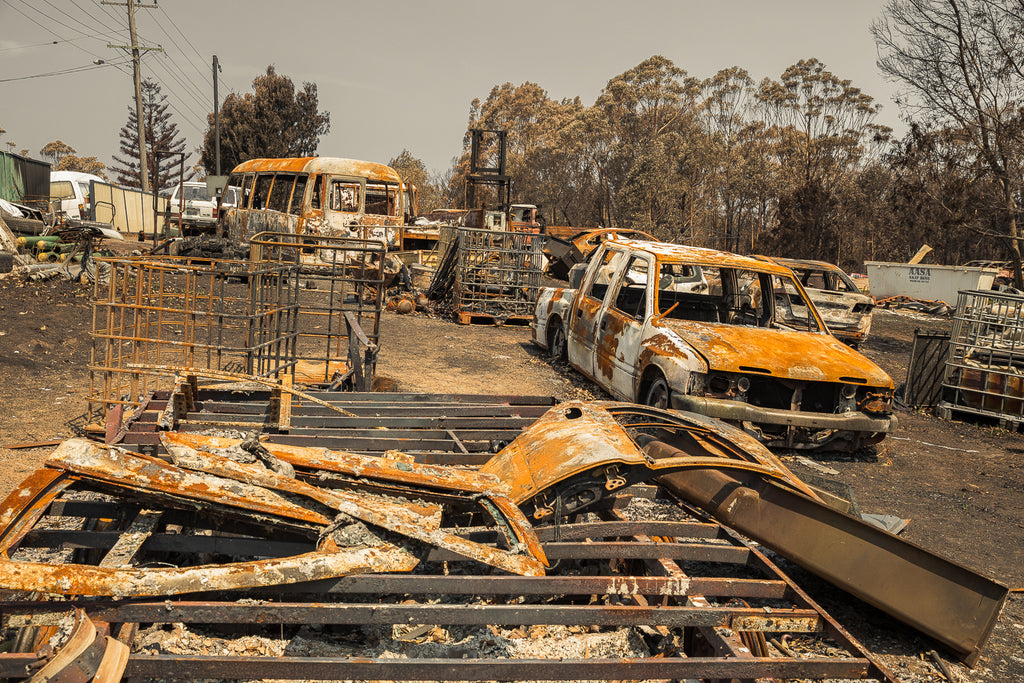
(24, 180)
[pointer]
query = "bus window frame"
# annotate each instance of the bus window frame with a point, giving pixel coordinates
(293, 208)
(331, 179)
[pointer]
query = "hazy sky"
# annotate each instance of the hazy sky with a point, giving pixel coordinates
(393, 75)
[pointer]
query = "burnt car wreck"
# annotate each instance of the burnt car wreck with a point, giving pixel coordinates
(843, 307)
(550, 543)
(717, 334)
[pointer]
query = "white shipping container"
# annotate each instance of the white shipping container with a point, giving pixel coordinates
(932, 283)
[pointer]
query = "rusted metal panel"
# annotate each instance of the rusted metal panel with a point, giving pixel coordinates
(578, 454)
(376, 510)
(926, 368)
(941, 598)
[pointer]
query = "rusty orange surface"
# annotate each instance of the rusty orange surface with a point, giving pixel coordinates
(331, 165)
(783, 353)
(366, 466)
(382, 511)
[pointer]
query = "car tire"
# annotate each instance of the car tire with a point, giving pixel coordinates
(658, 394)
(557, 346)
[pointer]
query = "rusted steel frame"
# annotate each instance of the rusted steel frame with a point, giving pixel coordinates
(606, 550)
(130, 541)
(593, 530)
(363, 466)
(136, 473)
(179, 404)
(657, 586)
(167, 543)
(374, 510)
(671, 668)
(669, 569)
(235, 377)
(26, 504)
(193, 612)
(132, 582)
(940, 598)
(832, 627)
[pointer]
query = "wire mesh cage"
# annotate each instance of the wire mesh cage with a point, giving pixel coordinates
(493, 273)
(339, 303)
(153, 315)
(985, 368)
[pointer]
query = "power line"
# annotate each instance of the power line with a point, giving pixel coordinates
(71, 70)
(202, 75)
(202, 59)
(49, 42)
(178, 94)
(104, 32)
(52, 32)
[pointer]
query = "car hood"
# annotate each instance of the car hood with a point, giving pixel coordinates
(779, 353)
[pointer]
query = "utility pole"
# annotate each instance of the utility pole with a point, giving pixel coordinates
(136, 59)
(216, 115)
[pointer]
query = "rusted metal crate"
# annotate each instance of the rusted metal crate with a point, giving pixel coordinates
(180, 312)
(308, 310)
(495, 274)
(338, 307)
(985, 367)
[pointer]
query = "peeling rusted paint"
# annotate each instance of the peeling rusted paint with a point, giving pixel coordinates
(383, 511)
(785, 353)
(76, 579)
(128, 470)
(575, 443)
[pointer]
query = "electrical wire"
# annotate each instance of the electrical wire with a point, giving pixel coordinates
(54, 33)
(49, 42)
(106, 33)
(71, 70)
(189, 42)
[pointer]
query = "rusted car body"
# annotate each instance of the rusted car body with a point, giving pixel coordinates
(718, 334)
(316, 196)
(563, 254)
(841, 304)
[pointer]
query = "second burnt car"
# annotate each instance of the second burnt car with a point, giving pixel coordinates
(844, 308)
(719, 334)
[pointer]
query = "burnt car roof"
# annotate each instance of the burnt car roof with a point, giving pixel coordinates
(702, 256)
(806, 263)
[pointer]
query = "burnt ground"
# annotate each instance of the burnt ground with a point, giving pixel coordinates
(961, 484)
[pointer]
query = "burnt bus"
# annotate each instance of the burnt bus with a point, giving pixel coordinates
(315, 196)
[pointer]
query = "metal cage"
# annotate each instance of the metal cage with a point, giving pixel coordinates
(985, 368)
(497, 274)
(151, 315)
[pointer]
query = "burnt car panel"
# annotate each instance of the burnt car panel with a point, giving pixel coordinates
(841, 304)
(720, 334)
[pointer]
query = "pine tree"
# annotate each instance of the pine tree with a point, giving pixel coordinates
(161, 136)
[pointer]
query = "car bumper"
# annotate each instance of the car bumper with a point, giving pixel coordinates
(738, 411)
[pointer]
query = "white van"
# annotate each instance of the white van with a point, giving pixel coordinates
(200, 209)
(72, 189)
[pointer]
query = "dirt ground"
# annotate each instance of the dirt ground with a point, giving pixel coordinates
(961, 484)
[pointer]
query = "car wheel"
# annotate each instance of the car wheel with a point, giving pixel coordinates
(659, 395)
(556, 344)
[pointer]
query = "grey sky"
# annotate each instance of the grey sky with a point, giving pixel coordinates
(395, 75)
